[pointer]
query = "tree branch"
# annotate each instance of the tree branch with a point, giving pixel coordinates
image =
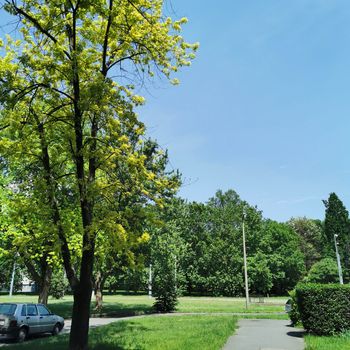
(105, 42)
(36, 23)
(139, 11)
(130, 57)
(56, 217)
(4, 127)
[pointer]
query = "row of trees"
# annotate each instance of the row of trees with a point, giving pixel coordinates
(209, 240)
(209, 257)
(202, 245)
(196, 248)
(204, 248)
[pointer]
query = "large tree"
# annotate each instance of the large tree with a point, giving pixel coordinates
(312, 239)
(337, 223)
(213, 261)
(285, 260)
(68, 98)
(27, 231)
(134, 213)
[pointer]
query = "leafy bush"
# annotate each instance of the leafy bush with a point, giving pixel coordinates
(135, 280)
(260, 276)
(294, 314)
(223, 284)
(324, 271)
(59, 285)
(324, 308)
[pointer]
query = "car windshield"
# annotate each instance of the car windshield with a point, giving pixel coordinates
(7, 309)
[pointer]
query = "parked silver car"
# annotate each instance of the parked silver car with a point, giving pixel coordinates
(19, 320)
(288, 306)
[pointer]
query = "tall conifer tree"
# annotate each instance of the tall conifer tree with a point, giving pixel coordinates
(337, 222)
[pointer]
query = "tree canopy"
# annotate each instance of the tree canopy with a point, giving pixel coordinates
(68, 126)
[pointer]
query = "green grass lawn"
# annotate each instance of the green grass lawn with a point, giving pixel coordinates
(150, 333)
(127, 305)
(314, 342)
(205, 304)
(180, 332)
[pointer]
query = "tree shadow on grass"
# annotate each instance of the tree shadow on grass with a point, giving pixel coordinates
(123, 310)
(110, 309)
(63, 308)
(115, 336)
(41, 342)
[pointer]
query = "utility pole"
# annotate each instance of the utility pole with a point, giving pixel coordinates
(13, 277)
(245, 264)
(338, 260)
(150, 282)
(175, 275)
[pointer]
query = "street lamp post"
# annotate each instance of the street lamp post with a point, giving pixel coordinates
(175, 272)
(150, 282)
(338, 260)
(245, 264)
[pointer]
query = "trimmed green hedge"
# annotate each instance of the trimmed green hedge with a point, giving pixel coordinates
(324, 308)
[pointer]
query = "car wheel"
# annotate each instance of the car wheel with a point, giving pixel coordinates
(56, 329)
(22, 335)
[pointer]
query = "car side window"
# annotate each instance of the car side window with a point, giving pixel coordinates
(31, 310)
(43, 311)
(24, 310)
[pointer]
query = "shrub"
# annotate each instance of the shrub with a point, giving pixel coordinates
(324, 271)
(294, 314)
(260, 276)
(59, 285)
(324, 308)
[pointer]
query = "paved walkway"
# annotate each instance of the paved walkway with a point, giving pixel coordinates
(94, 322)
(265, 335)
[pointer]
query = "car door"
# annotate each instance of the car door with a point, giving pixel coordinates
(46, 319)
(32, 319)
(22, 315)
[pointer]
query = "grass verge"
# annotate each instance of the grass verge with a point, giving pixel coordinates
(341, 342)
(150, 333)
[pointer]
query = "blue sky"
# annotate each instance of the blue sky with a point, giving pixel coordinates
(265, 107)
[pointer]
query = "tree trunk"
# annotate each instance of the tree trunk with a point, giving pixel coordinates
(99, 299)
(98, 291)
(80, 319)
(45, 286)
(42, 278)
(82, 301)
